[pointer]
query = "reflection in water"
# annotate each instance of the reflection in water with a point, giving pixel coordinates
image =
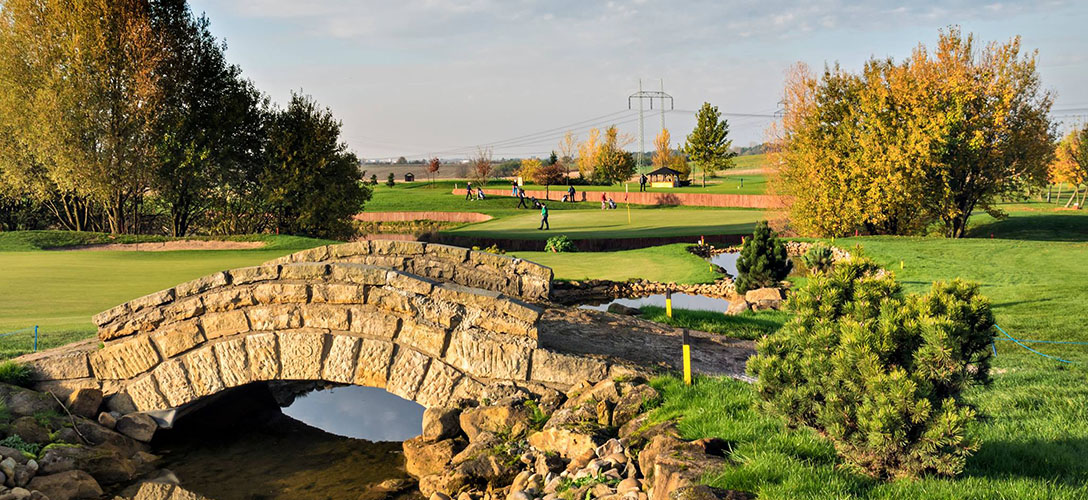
(359, 412)
(240, 446)
(727, 261)
(679, 301)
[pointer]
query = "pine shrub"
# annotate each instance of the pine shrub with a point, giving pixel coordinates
(391, 180)
(763, 260)
(879, 373)
(818, 259)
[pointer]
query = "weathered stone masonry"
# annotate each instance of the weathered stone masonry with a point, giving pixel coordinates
(425, 340)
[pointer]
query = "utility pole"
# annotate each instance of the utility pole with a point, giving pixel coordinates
(647, 95)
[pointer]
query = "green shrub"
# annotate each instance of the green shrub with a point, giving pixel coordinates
(879, 373)
(818, 259)
(373, 179)
(763, 260)
(15, 373)
(16, 441)
(391, 180)
(560, 244)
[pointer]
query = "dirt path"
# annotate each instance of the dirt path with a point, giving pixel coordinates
(166, 246)
(596, 333)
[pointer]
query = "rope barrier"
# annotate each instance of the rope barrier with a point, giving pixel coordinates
(1021, 344)
(29, 329)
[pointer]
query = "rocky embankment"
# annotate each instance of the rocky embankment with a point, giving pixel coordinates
(68, 451)
(596, 441)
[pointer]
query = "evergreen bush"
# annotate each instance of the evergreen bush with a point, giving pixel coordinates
(763, 260)
(391, 180)
(879, 373)
(560, 244)
(818, 259)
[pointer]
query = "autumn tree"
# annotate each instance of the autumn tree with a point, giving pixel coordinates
(901, 146)
(546, 175)
(481, 166)
(432, 167)
(79, 93)
(568, 148)
(588, 153)
(1070, 164)
(529, 167)
(664, 156)
(614, 164)
(708, 144)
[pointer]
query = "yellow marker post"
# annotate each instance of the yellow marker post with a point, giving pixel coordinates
(668, 303)
(900, 265)
(687, 358)
(628, 202)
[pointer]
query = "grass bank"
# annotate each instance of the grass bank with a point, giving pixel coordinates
(662, 263)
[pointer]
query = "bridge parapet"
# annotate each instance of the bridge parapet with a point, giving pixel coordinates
(512, 276)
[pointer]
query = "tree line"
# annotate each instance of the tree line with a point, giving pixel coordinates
(125, 116)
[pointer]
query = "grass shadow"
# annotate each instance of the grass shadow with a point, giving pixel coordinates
(1065, 226)
(1058, 461)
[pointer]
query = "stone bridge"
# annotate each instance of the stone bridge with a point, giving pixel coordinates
(430, 323)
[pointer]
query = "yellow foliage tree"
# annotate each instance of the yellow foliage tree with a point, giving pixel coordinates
(1070, 163)
(529, 168)
(588, 152)
(901, 146)
(664, 156)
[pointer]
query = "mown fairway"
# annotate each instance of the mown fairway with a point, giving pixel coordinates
(644, 223)
(669, 263)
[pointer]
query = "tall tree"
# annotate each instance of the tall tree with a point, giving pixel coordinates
(614, 164)
(664, 156)
(588, 153)
(482, 166)
(708, 144)
(568, 148)
(432, 167)
(900, 146)
(312, 183)
(1070, 163)
(210, 124)
(79, 90)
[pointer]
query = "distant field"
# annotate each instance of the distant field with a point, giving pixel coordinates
(645, 223)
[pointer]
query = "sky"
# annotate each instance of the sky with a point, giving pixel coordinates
(420, 78)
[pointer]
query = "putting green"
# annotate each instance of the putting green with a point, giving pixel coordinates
(644, 223)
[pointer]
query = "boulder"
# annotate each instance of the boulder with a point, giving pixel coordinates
(25, 402)
(441, 423)
(107, 420)
(68, 485)
(765, 305)
(423, 457)
(448, 482)
(30, 430)
(569, 443)
(617, 308)
(138, 426)
(737, 305)
(631, 403)
(13, 454)
(106, 463)
(763, 294)
(507, 416)
(85, 402)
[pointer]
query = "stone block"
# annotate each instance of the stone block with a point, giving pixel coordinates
(461, 294)
(520, 310)
(493, 261)
(184, 309)
(385, 261)
(483, 278)
(349, 249)
(360, 274)
(396, 247)
(152, 300)
(564, 369)
(141, 322)
(338, 293)
(449, 253)
(203, 370)
(263, 357)
(339, 365)
(274, 317)
(468, 388)
(174, 383)
(110, 315)
(406, 374)
(494, 322)
(64, 366)
(409, 283)
(763, 294)
(233, 365)
(438, 384)
(535, 289)
(224, 324)
(375, 356)
(439, 312)
(373, 322)
(315, 254)
(254, 274)
(123, 360)
(65, 388)
(431, 268)
(85, 402)
(201, 285)
(392, 300)
(282, 293)
(300, 354)
(228, 299)
(482, 355)
(145, 396)
(306, 271)
(325, 316)
(424, 338)
(176, 338)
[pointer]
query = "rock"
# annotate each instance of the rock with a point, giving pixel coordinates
(568, 443)
(30, 430)
(627, 485)
(519, 495)
(20, 493)
(617, 308)
(520, 481)
(138, 426)
(763, 294)
(604, 413)
(107, 420)
(703, 492)
(632, 403)
(69, 485)
(85, 402)
(24, 473)
(737, 305)
(25, 402)
(441, 423)
(107, 463)
(605, 390)
(7, 467)
(766, 305)
(14, 454)
(423, 457)
(549, 462)
(97, 434)
(507, 416)
(443, 482)
(439, 496)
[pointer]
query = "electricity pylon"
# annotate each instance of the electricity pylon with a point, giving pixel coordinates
(642, 96)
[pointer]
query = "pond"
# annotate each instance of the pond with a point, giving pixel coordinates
(343, 442)
(679, 301)
(727, 261)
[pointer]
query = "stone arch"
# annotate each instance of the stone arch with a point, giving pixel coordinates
(425, 340)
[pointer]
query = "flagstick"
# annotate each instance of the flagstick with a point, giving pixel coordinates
(628, 202)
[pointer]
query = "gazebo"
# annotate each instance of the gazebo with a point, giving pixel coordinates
(664, 177)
